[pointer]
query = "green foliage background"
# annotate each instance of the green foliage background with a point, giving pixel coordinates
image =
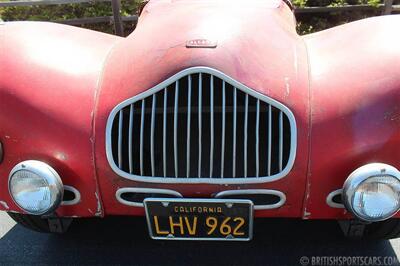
(307, 23)
(71, 11)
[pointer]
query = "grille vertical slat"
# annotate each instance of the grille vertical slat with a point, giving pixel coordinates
(200, 93)
(176, 129)
(130, 138)
(153, 114)
(142, 136)
(165, 133)
(269, 138)
(120, 124)
(258, 138)
(239, 134)
(189, 106)
(246, 117)
(211, 125)
(234, 131)
(223, 129)
(280, 140)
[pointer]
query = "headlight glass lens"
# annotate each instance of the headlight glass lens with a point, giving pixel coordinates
(377, 198)
(31, 192)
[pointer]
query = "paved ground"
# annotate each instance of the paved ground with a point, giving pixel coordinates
(124, 240)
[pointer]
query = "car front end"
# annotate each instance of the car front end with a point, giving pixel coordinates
(207, 116)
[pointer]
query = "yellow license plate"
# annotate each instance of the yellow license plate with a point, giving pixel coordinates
(199, 219)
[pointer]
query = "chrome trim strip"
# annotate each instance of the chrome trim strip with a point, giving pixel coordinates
(329, 199)
(236, 85)
(77, 196)
(277, 193)
(218, 195)
(251, 219)
(120, 191)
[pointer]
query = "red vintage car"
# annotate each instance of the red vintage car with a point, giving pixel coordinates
(209, 115)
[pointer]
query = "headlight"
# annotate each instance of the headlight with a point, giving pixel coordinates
(35, 187)
(372, 192)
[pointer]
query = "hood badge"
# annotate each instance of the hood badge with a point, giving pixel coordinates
(201, 43)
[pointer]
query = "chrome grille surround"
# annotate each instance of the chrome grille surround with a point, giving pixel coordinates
(120, 122)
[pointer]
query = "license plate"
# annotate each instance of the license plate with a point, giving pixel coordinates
(199, 219)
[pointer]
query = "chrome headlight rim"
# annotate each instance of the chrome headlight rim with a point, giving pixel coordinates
(358, 177)
(46, 172)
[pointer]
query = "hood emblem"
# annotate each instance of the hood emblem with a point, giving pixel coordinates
(201, 43)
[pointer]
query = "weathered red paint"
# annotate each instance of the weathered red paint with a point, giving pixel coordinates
(49, 76)
(58, 85)
(355, 103)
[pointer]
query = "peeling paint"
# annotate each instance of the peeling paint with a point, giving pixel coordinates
(287, 87)
(4, 204)
(61, 156)
(98, 212)
(306, 214)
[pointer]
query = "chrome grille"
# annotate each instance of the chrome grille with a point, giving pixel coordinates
(200, 126)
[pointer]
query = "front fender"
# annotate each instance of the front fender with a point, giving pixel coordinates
(355, 111)
(49, 76)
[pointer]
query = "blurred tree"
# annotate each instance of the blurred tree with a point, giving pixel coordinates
(71, 11)
(307, 23)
